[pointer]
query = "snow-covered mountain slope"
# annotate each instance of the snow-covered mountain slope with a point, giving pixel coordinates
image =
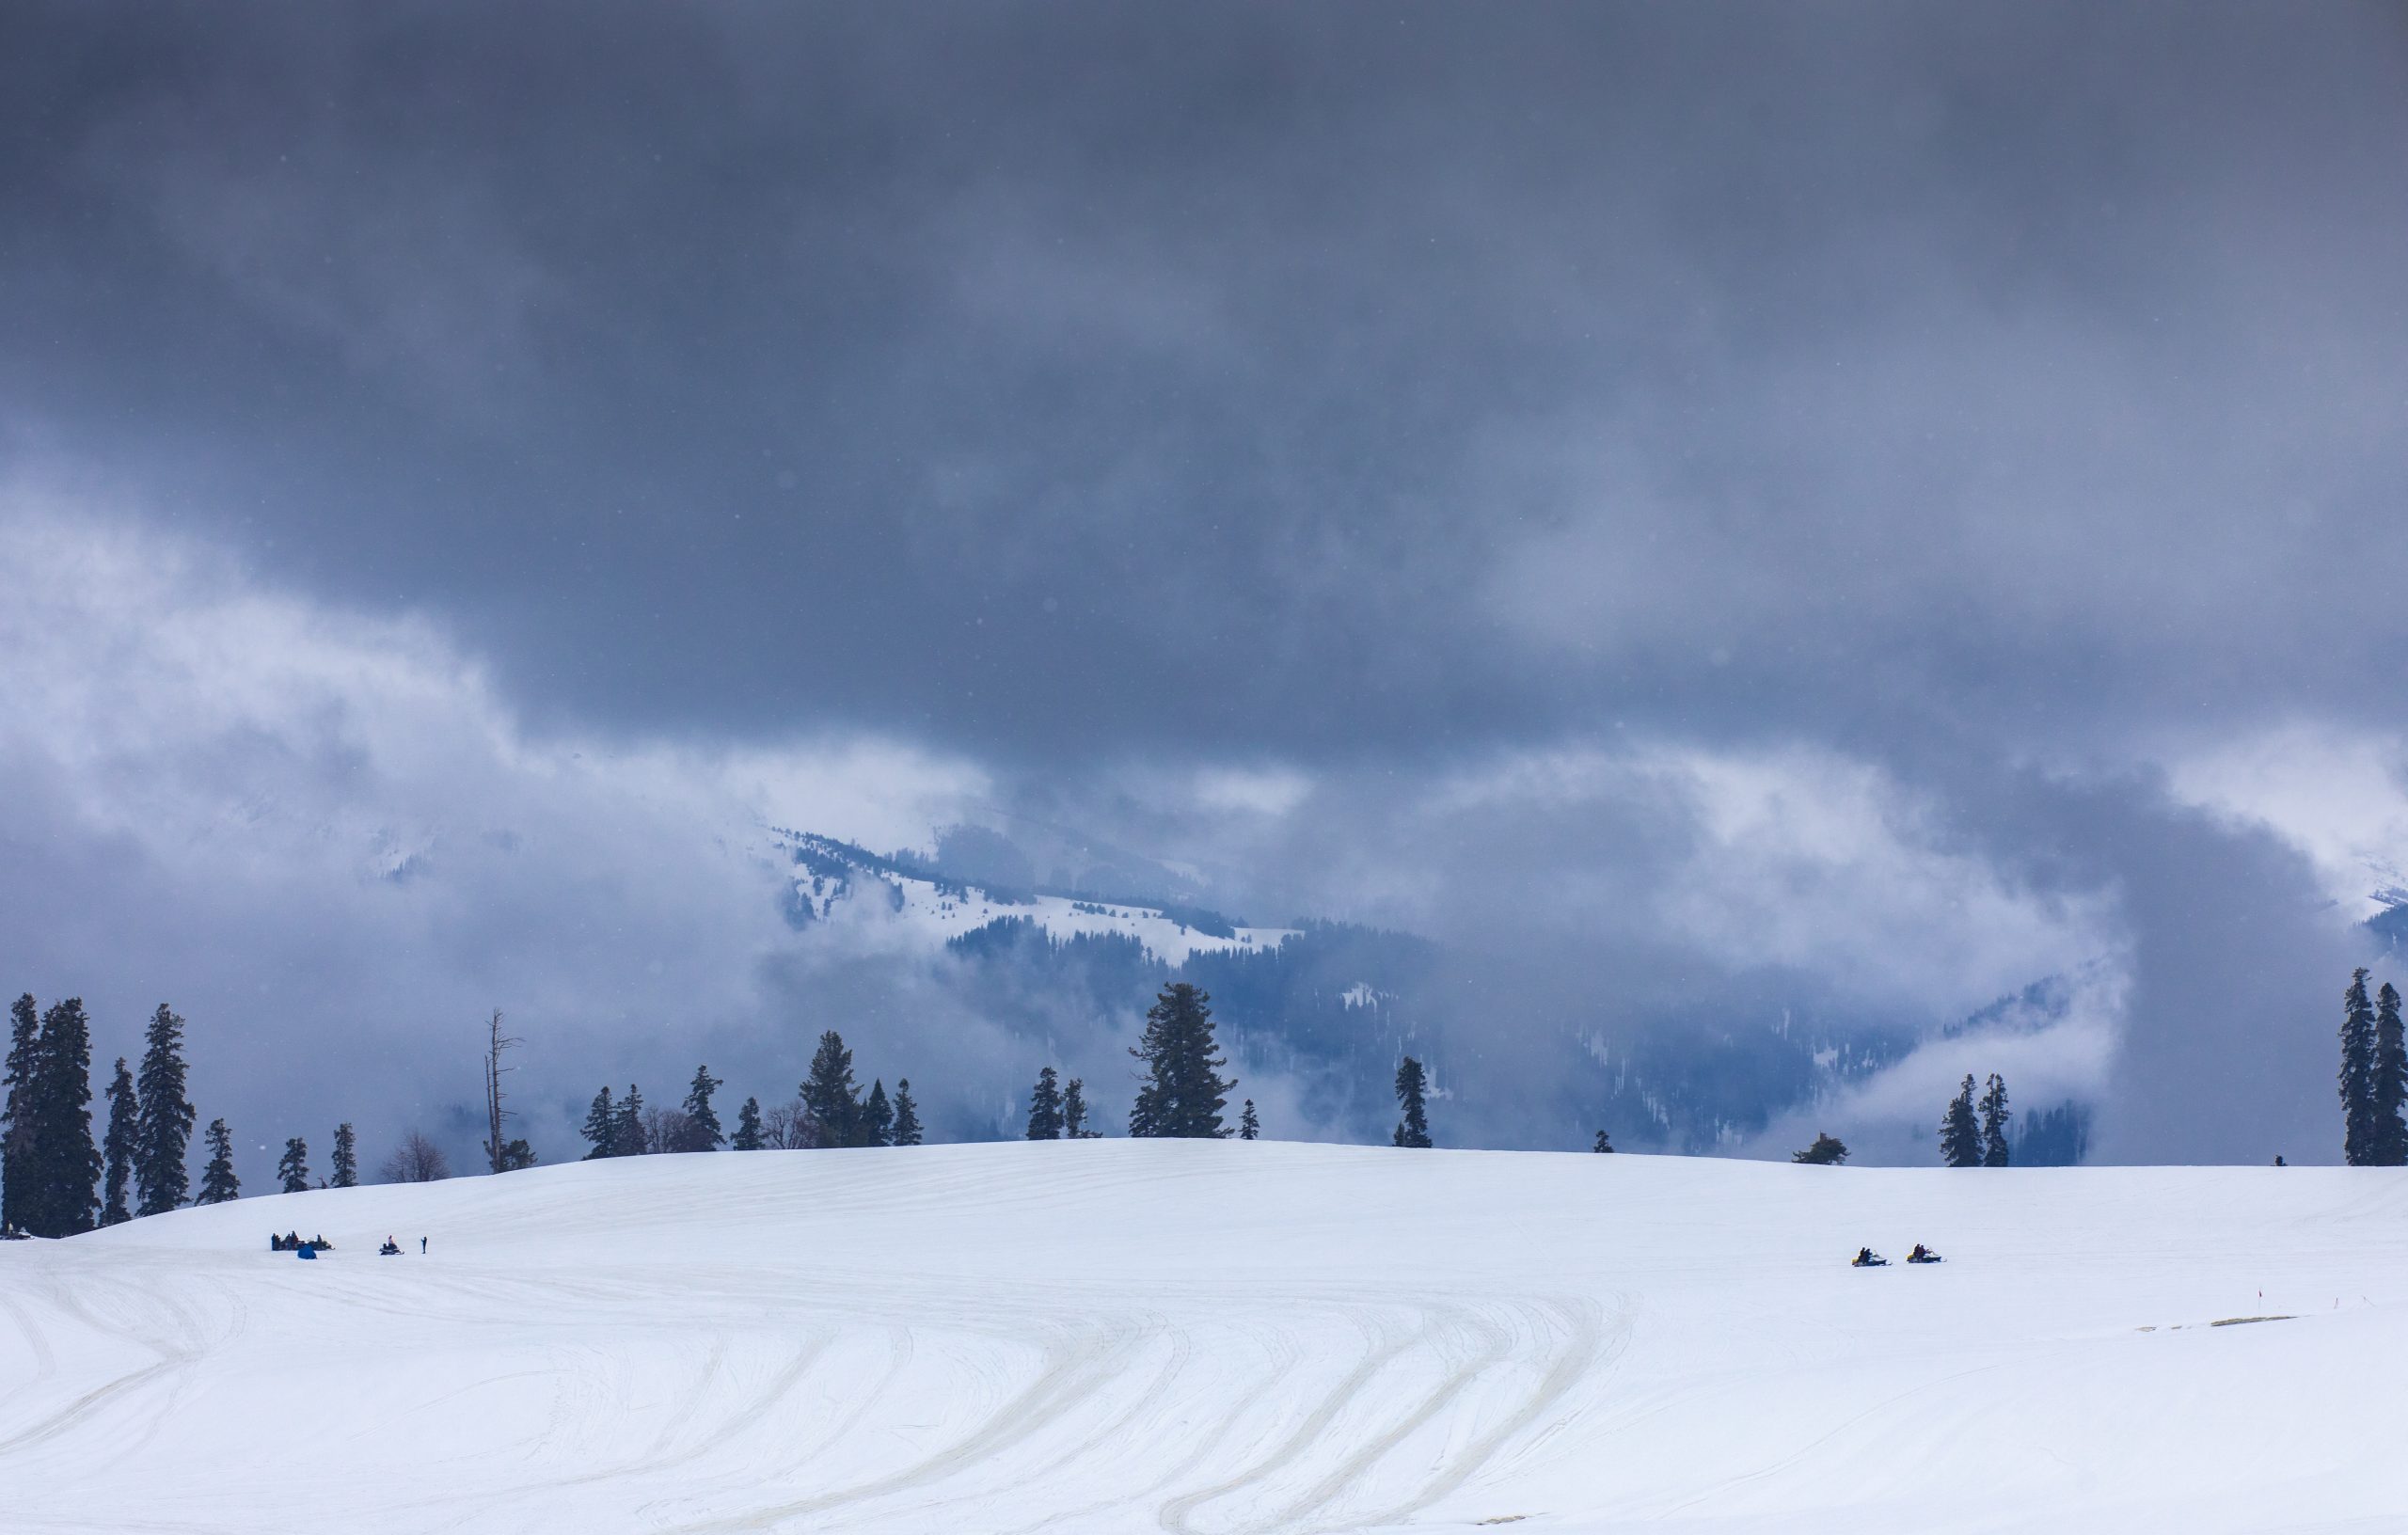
(1114, 1337)
(831, 878)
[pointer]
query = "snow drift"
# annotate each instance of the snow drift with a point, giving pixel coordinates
(1214, 1338)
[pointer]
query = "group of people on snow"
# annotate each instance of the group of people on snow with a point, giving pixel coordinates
(1867, 1258)
(291, 1243)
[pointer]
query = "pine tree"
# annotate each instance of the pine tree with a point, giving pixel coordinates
(1827, 1152)
(2390, 1088)
(66, 1183)
(1249, 1123)
(1183, 1092)
(2358, 1133)
(830, 1094)
(1604, 1141)
(162, 1118)
(1412, 1087)
(516, 1155)
(748, 1127)
(601, 1128)
(627, 1133)
(292, 1169)
(346, 1157)
(17, 1116)
(1995, 1118)
(1960, 1137)
(878, 1116)
(1045, 1114)
(701, 1131)
(1074, 1111)
(219, 1183)
(117, 1148)
(907, 1130)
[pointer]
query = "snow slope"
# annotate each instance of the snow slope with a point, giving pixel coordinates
(1115, 1337)
(940, 914)
(840, 882)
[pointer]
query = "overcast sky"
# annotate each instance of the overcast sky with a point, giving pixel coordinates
(1895, 501)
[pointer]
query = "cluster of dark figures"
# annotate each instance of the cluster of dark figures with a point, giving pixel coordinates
(1867, 1258)
(291, 1243)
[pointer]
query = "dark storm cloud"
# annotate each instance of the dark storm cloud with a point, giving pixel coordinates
(1728, 492)
(1347, 374)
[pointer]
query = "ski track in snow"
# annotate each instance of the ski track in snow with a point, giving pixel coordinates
(1217, 1338)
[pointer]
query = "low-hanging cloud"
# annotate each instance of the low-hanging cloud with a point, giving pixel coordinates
(1709, 513)
(338, 846)
(323, 837)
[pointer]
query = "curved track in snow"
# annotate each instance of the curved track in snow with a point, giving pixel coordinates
(1220, 1340)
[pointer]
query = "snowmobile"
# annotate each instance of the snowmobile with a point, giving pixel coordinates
(1867, 1258)
(391, 1249)
(1925, 1254)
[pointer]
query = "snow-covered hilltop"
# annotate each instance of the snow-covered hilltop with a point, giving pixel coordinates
(1095, 1337)
(829, 874)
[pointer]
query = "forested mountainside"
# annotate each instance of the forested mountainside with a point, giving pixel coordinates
(1326, 1008)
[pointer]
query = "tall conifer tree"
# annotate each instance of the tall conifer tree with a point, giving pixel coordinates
(1995, 1118)
(630, 1135)
(1249, 1123)
(1412, 1093)
(1960, 1135)
(219, 1183)
(1183, 1092)
(2390, 1088)
(346, 1158)
(292, 1169)
(829, 1093)
(17, 1112)
(748, 1127)
(601, 1126)
(65, 1193)
(2358, 1132)
(1045, 1116)
(1074, 1111)
(701, 1131)
(117, 1148)
(907, 1130)
(878, 1116)
(164, 1118)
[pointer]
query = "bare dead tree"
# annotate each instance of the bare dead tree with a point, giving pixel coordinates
(417, 1160)
(497, 1157)
(789, 1127)
(666, 1129)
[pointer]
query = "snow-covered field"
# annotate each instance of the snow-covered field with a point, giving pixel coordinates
(1118, 1336)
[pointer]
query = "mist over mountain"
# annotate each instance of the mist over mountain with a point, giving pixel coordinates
(1709, 570)
(1314, 1014)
